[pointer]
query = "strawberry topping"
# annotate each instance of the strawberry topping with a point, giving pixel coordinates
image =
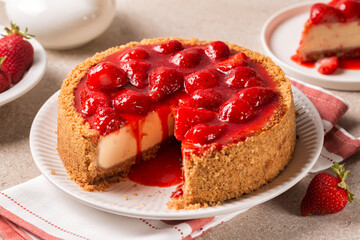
(164, 81)
(134, 54)
(171, 46)
(106, 75)
(202, 98)
(186, 117)
(217, 50)
(237, 60)
(187, 58)
(202, 79)
(323, 13)
(106, 120)
(131, 102)
(92, 99)
(204, 133)
(242, 77)
(137, 72)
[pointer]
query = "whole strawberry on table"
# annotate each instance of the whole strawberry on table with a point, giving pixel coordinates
(19, 53)
(326, 193)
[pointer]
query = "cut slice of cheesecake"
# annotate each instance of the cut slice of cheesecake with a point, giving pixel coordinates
(231, 108)
(332, 30)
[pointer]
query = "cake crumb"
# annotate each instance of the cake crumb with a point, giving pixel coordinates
(52, 172)
(135, 185)
(135, 194)
(127, 198)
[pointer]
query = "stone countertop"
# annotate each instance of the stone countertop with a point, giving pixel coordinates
(238, 22)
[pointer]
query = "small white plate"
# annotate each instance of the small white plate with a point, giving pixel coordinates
(134, 200)
(280, 38)
(31, 77)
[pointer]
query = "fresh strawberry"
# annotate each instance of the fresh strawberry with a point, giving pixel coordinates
(238, 60)
(350, 9)
(187, 58)
(106, 120)
(134, 54)
(171, 46)
(19, 53)
(204, 133)
(236, 110)
(323, 13)
(186, 117)
(202, 98)
(106, 75)
(242, 77)
(5, 79)
(328, 65)
(137, 72)
(202, 79)
(256, 96)
(132, 102)
(164, 81)
(92, 99)
(217, 50)
(327, 194)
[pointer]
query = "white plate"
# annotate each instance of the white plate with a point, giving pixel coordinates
(31, 77)
(280, 38)
(149, 202)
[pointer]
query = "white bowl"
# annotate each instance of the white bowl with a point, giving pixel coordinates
(62, 24)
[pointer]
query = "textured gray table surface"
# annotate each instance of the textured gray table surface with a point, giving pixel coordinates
(239, 22)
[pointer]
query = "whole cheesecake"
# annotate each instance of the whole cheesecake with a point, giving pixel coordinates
(332, 29)
(231, 108)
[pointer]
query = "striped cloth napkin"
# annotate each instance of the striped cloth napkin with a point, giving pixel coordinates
(38, 210)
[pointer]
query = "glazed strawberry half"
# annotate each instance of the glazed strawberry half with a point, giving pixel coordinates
(19, 52)
(326, 193)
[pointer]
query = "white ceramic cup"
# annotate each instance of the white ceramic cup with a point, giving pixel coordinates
(62, 24)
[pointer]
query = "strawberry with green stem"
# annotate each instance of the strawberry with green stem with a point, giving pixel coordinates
(327, 194)
(19, 52)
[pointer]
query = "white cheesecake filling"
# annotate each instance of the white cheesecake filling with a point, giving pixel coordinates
(331, 36)
(119, 146)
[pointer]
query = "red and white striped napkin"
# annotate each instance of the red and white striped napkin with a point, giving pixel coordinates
(38, 210)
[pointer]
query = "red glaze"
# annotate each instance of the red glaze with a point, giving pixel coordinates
(350, 63)
(137, 72)
(162, 171)
(234, 61)
(187, 58)
(131, 102)
(186, 117)
(202, 79)
(92, 99)
(203, 133)
(106, 75)
(168, 93)
(106, 120)
(217, 50)
(178, 192)
(296, 58)
(242, 77)
(171, 46)
(134, 54)
(163, 82)
(323, 13)
(202, 98)
(350, 9)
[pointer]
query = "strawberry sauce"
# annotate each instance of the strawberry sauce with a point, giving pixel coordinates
(162, 171)
(209, 85)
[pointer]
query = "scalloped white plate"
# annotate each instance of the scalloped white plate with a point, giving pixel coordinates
(280, 37)
(31, 77)
(134, 200)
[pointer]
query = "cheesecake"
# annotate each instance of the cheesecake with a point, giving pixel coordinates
(332, 29)
(231, 108)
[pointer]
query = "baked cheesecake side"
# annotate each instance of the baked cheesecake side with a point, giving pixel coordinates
(245, 166)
